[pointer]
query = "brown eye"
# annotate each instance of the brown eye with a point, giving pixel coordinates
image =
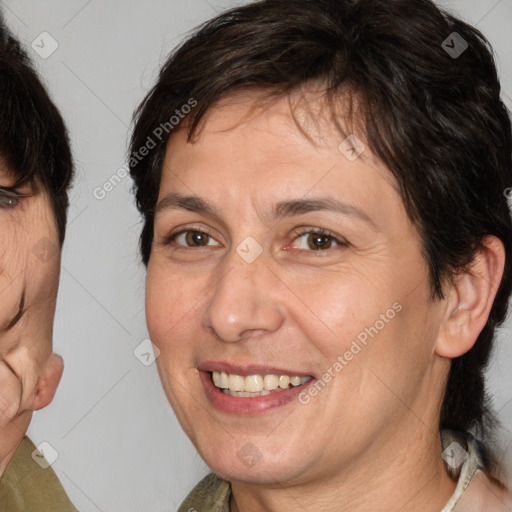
(191, 238)
(317, 241)
(196, 238)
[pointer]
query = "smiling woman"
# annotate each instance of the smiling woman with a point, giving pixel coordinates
(345, 159)
(35, 173)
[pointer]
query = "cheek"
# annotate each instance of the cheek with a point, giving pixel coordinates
(366, 329)
(27, 273)
(13, 254)
(170, 302)
(336, 308)
(28, 241)
(14, 264)
(41, 283)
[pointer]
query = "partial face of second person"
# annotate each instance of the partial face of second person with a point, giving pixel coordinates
(333, 252)
(29, 275)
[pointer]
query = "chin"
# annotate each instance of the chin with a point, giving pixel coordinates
(248, 465)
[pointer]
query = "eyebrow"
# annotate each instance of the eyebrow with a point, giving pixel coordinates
(282, 209)
(175, 201)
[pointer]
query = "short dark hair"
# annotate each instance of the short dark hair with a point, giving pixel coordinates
(34, 142)
(436, 121)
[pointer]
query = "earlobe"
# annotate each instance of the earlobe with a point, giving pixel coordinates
(48, 382)
(469, 300)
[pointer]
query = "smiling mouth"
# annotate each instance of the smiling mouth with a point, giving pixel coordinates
(255, 385)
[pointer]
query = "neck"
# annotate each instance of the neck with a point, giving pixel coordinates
(11, 436)
(395, 481)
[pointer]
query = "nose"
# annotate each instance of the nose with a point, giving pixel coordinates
(244, 302)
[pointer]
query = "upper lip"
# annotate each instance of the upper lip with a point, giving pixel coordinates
(248, 369)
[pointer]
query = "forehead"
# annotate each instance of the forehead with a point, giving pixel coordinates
(289, 142)
(305, 115)
(246, 162)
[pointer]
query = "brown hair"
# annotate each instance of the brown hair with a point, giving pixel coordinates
(434, 118)
(33, 139)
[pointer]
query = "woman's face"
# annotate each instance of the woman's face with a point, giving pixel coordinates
(276, 258)
(29, 275)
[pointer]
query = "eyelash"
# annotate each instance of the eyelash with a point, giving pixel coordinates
(319, 231)
(9, 199)
(300, 232)
(170, 238)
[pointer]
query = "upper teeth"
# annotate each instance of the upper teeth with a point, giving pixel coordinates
(255, 383)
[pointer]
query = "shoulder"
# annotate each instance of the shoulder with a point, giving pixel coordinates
(211, 493)
(484, 494)
(29, 485)
(477, 490)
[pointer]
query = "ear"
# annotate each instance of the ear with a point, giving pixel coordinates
(48, 382)
(469, 299)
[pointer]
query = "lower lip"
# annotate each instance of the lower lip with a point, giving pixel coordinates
(248, 406)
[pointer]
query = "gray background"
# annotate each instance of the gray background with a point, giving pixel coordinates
(120, 447)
